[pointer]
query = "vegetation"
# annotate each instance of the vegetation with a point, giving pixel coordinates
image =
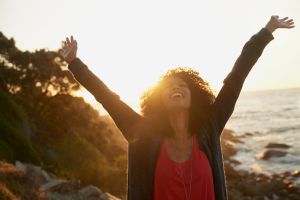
(42, 123)
(15, 145)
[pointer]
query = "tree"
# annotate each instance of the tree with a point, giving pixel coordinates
(33, 77)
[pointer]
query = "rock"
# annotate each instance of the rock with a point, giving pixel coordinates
(234, 194)
(66, 187)
(20, 165)
(259, 179)
(277, 145)
(228, 150)
(283, 192)
(69, 191)
(37, 174)
(275, 185)
(272, 153)
(293, 189)
(49, 185)
(275, 197)
(230, 171)
(235, 162)
(227, 135)
(243, 173)
(281, 175)
(247, 134)
(60, 196)
(249, 189)
(258, 198)
(296, 173)
(90, 191)
(294, 196)
(107, 196)
(262, 188)
(34, 173)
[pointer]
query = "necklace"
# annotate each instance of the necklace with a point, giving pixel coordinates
(188, 195)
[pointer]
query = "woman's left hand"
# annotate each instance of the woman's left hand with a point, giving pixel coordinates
(276, 23)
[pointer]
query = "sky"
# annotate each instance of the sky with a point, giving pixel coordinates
(129, 44)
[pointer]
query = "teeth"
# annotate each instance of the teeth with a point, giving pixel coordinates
(176, 94)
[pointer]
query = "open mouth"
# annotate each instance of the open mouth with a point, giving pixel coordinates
(176, 95)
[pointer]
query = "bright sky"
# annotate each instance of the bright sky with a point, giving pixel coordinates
(129, 44)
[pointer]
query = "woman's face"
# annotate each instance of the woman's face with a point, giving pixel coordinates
(176, 94)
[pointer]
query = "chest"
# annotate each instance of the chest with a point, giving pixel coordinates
(191, 178)
(179, 152)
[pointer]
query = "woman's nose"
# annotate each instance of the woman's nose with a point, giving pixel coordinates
(175, 87)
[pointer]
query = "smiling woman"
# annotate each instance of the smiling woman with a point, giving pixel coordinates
(174, 146)
(179, 90)
(176, 94)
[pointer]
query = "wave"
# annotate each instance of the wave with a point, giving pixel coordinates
(283, 129)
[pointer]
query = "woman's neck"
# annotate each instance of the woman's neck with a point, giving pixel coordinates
(179, 122)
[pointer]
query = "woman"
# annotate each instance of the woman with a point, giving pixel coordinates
(174, 146)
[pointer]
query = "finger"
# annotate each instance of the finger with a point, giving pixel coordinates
(68, 41)
(283, 19)
(288, 21)
(61, 52)
(65, 44)
(287, 25)
(291, 26)
(72, 39)
(291, 23)
(74, 43)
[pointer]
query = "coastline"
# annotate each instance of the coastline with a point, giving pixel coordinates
(244, 184)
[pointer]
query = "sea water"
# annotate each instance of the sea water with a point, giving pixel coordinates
(270, 116)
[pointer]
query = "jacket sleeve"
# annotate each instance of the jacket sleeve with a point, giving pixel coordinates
(124, 117)
(224, 103)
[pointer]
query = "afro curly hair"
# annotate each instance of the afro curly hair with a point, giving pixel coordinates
(202, 97)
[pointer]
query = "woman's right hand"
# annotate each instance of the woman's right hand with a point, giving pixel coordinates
(69, 49)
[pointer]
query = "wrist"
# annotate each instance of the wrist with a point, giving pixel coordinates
(69, 61)
(270, 28)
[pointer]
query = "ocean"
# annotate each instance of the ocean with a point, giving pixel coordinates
(269, 116)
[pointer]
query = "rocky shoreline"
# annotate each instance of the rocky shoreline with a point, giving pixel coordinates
(246, 185)
(31, 182)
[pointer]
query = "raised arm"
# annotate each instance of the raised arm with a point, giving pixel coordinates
(225, 101)
(124, 117)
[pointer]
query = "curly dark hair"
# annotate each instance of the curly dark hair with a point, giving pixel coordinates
(202, 97)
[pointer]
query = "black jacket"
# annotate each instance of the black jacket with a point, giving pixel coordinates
(143, 138)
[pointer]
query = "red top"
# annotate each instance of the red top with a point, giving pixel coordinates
(169, 176)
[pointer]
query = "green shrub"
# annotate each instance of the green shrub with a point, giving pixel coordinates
(6, 153)
(10, 110)
(14, 145)
(76, 158)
